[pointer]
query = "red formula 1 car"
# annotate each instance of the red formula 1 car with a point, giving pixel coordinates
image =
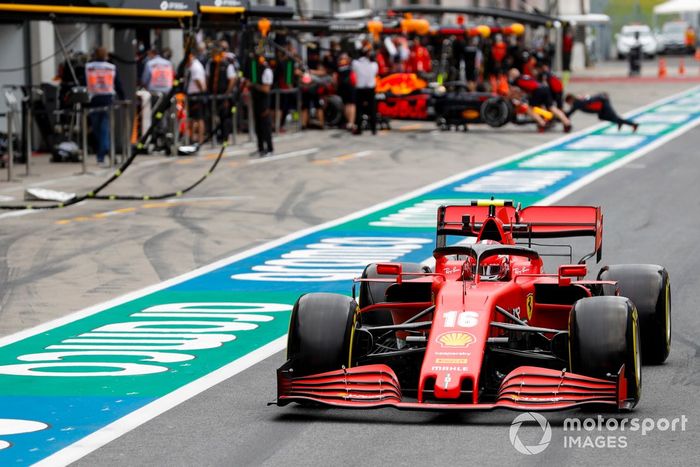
(487, 328)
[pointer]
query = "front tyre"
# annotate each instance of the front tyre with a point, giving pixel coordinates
(333, 111)
(321, 333)
(604, 336)
(649, 287)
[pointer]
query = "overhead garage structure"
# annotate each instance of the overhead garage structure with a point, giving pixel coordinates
(110, 11)
(35, 28)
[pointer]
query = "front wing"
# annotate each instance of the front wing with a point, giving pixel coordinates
(526, 388)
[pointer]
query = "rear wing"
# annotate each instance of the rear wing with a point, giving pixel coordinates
(530, 223)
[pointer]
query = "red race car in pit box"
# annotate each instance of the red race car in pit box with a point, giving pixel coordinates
(486, 327)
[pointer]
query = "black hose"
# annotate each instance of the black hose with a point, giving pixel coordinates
(94, 194)
(166, 195)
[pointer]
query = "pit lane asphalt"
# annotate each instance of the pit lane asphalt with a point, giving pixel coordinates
(88, 260)
(651, 209)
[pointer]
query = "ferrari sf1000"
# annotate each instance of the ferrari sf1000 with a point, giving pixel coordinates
(485, 327)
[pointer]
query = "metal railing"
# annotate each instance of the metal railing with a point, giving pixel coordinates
(237, 101)
(277, 96)
(124, 108)
(22, 108)
(9, 117)
(213, 102)
(119, 116)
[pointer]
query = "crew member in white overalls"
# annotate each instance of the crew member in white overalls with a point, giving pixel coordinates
(102, 83)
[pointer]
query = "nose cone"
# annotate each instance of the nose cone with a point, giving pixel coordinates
(448, 384)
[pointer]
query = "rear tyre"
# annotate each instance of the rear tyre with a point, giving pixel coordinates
(372, 293)
(321, 333)
(496, 112)
(333, 111)
(649, 287)
(603, 336)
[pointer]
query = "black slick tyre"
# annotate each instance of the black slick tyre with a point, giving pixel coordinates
(333, 112)
(321, 333)
(496, 112)
(604, 336)
(649, 287)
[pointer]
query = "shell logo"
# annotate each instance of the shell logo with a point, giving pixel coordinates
(455, 339)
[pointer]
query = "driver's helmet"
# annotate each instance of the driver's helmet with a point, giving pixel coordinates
(494, 268)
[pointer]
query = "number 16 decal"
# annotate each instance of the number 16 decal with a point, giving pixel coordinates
(463, 319)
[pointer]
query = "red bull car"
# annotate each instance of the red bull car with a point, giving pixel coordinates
(486, 327)
(406, 96)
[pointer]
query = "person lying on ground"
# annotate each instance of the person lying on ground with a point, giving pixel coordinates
(598, 104)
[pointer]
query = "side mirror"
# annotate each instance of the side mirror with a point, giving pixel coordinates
(392, 269)
(567, 271)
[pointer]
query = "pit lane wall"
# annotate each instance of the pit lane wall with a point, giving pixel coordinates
(72, 385)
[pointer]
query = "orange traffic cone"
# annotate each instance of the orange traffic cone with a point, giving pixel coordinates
(697, 54)
(681, 67)
(662, 67)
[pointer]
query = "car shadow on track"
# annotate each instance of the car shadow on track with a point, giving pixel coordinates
(393, 417)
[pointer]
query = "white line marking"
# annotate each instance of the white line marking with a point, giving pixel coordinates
(607, 142)
(208, 198)
(125, 424)
(514, 181)
(20, 213)
(566, 159)
(136, 418)
(287, 155)
(24, 212)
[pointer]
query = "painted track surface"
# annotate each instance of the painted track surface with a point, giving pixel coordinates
(229, 423)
